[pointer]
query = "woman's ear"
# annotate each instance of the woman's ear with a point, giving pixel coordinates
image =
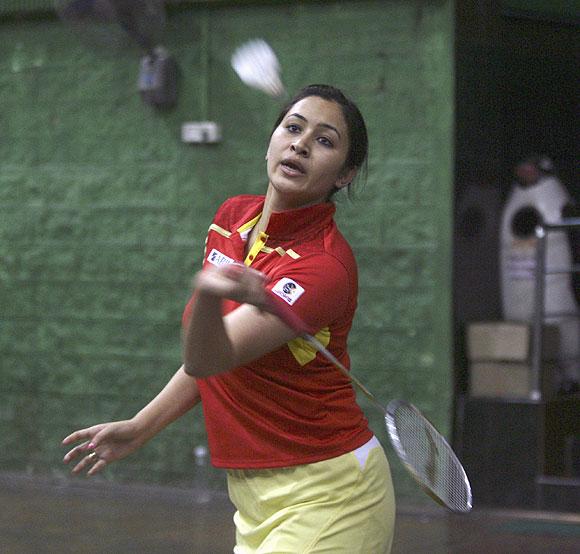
(346, 178)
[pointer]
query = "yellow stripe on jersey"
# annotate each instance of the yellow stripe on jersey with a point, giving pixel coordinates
(303, 351)
(249, 224)
(223, 232)
(279, 250)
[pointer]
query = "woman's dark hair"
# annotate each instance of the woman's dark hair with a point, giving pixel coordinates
(357, 130)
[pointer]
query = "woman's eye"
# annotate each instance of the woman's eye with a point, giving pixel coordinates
(325, 141)
(293, 128)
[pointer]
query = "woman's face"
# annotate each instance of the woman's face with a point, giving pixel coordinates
(307, 153)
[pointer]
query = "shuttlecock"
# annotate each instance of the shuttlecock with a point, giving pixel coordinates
(257, 66)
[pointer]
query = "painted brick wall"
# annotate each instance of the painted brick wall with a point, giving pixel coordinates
(103, 212)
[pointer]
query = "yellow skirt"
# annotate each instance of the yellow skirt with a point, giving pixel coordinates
(344, 505)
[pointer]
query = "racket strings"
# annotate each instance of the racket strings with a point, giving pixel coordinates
(431, 459)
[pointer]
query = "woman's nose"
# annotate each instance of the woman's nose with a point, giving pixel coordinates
(300, 147)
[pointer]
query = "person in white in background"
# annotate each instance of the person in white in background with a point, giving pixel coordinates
(538, 196)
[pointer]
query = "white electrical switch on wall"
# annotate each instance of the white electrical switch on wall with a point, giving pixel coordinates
(201, 132)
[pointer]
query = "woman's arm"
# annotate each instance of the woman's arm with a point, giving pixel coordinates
(116, 440)
(213, 343)
(179, 396)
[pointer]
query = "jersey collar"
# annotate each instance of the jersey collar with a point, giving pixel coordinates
(291, 224)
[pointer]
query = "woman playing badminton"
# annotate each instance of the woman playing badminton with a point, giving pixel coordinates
(304, 471)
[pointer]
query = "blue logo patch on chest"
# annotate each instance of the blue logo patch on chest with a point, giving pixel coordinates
(215, 257)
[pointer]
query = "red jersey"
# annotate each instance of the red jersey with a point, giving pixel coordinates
(290, 406)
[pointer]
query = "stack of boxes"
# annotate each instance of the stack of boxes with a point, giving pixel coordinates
(499, 359)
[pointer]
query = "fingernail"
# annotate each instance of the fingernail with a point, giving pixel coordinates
(91, 446)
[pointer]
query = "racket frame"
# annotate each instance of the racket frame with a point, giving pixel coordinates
(394, 436)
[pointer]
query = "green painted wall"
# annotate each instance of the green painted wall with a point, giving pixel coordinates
(103, 212)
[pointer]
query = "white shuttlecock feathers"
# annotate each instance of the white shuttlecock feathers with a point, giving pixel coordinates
(257, 66)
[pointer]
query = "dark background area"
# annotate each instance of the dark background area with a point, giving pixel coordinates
(516, 94)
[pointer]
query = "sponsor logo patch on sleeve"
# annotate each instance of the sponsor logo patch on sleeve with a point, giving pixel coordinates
(215, 257)
(288, 290)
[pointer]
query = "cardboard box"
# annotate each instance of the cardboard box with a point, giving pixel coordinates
(508, 341)
(508, 380)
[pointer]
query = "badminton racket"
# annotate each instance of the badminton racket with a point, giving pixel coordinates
(257, 66)
(424, 452)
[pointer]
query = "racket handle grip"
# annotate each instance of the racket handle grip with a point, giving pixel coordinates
(282, 310)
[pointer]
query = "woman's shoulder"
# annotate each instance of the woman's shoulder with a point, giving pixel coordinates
(332, 250)
(235, 207)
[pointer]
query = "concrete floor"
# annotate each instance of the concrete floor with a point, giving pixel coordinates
(75, 515)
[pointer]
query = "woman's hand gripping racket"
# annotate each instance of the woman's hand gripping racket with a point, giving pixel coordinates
(423, 450)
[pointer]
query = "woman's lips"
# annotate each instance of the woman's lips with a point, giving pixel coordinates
(292, 167)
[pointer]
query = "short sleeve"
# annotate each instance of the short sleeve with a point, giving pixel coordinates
(318, 289)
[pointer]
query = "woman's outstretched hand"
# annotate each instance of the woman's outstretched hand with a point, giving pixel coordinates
(102, 444)
(234, 281)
